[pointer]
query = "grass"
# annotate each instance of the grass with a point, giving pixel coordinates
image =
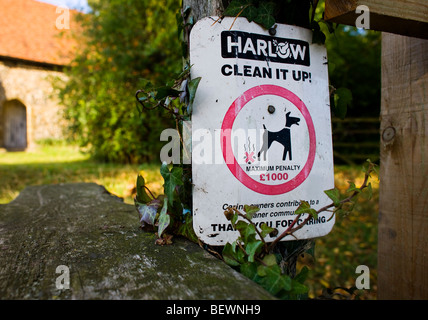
(352, 242)
(64, 164)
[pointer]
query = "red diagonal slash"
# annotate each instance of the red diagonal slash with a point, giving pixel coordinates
(249, 157)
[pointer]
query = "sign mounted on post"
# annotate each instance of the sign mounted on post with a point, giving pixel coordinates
(261, 128)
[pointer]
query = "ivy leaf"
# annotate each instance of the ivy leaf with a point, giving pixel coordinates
(142, 196)
(269, 260)
(163, 92)
(252, 248)
(304, 207)
(241, 226)
(298, 288)
(234, 219)
(369, 191)
(250, 211)
(192, 86)
(342, 100)
(250, 271)
(172, 179)
(237, 7)
(251, 13)
(330, 25)
(186, 229)
(273, 281)
(164, 218)
(369, 167)
(232, 255)
(229, 255)
(265, 229)
(334, 195)
(302, 276)
(317, 35)
(247, 231)
(265, 13)
(353, 187)
(148, 211)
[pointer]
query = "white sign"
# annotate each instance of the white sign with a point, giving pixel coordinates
(261, 128)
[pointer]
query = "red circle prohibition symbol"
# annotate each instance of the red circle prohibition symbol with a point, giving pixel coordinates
(226, 145)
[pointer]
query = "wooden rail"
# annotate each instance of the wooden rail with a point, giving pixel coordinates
(355, 140)
(405, 17)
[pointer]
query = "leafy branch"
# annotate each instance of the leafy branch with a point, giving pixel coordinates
(255, 257)
(170, 213)
(338, 204)
(176, 97)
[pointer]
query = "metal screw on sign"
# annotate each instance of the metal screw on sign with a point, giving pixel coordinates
(271, 109)
(272, 31)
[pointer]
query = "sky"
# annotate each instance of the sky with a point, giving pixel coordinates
(80, 5)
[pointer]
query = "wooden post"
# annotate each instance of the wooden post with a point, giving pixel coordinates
(201, 9)
(289, 250)
(403, 203)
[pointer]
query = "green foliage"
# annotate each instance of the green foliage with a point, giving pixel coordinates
(334, 195)
(120, 43)
(168, 213)
(261, 12)
(172, 181)
(268, 12)
(304, 207)
(249, 253)
(354, 63)
(342, 99)
(176, 96)
(256, 259)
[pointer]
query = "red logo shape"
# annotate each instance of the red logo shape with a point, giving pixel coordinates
(249, 157)
(226, 145)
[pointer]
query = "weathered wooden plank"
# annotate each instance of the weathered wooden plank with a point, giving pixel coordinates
(83, 227)
(403, 200)
(405, 17)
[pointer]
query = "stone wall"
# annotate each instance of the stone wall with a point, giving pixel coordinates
(31, 86)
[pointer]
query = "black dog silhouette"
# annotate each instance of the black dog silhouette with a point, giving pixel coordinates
(283, 137)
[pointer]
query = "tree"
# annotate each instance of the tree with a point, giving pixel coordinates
(122, 43)
(350, 51)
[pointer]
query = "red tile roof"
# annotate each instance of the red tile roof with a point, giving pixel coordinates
(28, 31)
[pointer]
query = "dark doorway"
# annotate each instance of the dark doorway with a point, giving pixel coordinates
(15, 125)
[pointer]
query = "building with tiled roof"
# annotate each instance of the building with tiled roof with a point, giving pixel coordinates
(35, 46)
